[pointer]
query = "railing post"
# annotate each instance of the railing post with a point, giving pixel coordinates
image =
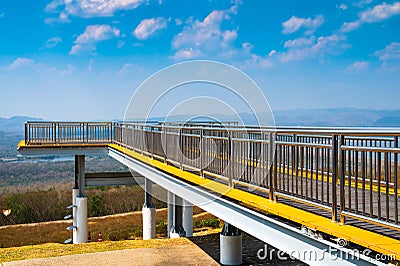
(230, 152)
(181, 148)
(152, 141)
(335, 171)
(342, 165)
(271, 178)
(165, 147)
(202, 152)
(87, 132)
(395, 180)
(57, 127)
(26, 133)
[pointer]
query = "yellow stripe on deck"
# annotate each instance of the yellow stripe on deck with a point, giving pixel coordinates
(22, 145)
(367, 239)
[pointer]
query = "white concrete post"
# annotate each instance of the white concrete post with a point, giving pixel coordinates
(148, 212)
(187, 217)
(149, 222)
(230, 243)
(80, 234)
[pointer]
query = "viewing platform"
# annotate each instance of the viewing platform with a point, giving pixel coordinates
(294, 188)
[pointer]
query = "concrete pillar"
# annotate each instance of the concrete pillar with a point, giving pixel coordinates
(80, 234)
(148, 212)
(187, 217)
(230, 243)
(149, 223)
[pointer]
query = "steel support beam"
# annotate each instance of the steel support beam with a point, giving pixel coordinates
(109, 179)
(278, 234)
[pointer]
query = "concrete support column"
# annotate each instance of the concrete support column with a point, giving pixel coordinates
(80, 233)
(187, 217)
(148, 212)
(230, 245)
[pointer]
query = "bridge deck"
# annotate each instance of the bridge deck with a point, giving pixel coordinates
(300, 214)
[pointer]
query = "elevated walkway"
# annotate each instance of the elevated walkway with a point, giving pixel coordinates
(305, 163)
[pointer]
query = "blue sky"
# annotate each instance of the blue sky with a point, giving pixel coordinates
(83, 59)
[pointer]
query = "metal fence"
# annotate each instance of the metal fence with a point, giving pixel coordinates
(37, 133)
(348, 172)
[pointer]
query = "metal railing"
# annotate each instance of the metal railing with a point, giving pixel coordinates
(37, 133)
(346, 171)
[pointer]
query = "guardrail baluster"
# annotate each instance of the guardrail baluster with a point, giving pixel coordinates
(396, 158)
(271, 177)
(335, 172)
(342, 164)
(230, 152)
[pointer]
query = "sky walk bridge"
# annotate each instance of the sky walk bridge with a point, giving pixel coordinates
(333, 192)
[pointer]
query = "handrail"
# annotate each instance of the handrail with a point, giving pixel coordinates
(346, 170)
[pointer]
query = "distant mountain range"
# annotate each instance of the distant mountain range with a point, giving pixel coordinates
(333, 117)
(338, 117)
(15, 123)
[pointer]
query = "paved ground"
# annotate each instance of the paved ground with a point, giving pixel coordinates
(200, 250)
(177, 255)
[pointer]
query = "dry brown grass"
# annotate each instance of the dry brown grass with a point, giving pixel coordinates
(112, 227)
(55, 249)
(40, 240)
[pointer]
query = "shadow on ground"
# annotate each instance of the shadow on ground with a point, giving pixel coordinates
(251, 246)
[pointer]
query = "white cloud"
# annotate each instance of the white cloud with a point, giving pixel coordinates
(86, 42)
(52, 42)
(358, 66)
(324, 45)
(259, 61)
(62, 18)
(54, 6)
(187, 53)
(363, 3)
(127, 68)
(2, 15)
(391, 52)
(206, 36)
(27, 64)
(350, 26)
(178, 21)
(342, 6)
(148, 27)
(66, 71)
(20, 63)
(299, 42)
(247, 47)
(377, 13)
(294, 24)
(90, 65)
(93, 8)
(271, 53)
